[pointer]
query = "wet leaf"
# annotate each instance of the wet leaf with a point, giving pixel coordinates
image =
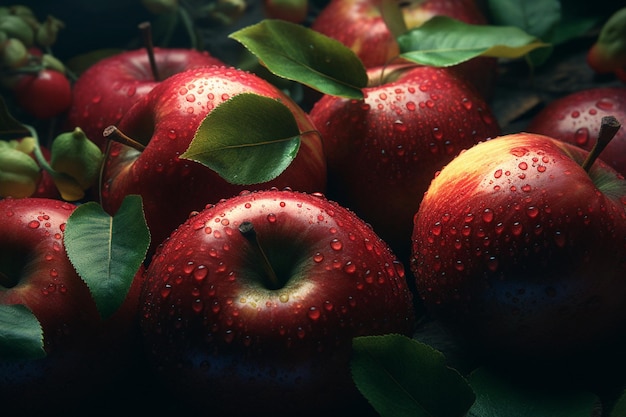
(21, 335)
(498, 395)
(248, 139)
(402, 377)
(443, 41)
(298, 53)
(107, 251)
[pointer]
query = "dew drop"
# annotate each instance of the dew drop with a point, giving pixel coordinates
(33, 224)
(197, 305)
(314, 313)
(581, 136)
(532, 212)
(349, 267)
(487, 215)
(605, 104)
(271, 218)
(336, 244)
(200, 273)
(318, 257)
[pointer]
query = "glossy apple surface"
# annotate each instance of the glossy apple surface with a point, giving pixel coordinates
(576, 117)
(384, 150)
(106, 90)
(166, 120)
(218, 332)
(522, 252)
(84, 353)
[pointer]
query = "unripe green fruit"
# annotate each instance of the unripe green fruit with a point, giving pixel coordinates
(19, 173)
(16, 27)
(75, 155)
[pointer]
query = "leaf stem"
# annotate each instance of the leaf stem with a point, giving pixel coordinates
(608, 129)
(247, 230)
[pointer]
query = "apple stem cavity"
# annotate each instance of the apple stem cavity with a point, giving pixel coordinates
(608, 129)
(247, 230)
(146, 33)
(113, 133)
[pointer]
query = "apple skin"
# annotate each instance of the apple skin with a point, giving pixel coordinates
(576, 118)
(104, 92)
(411, 122)
(84, 353)
(216, 334)
(520, 252)
(359, 25)
(166, 120)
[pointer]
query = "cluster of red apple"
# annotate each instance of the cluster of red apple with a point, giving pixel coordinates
(277, 235)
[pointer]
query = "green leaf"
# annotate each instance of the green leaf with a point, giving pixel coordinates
(402, 377)
(247, 139)
(301, 54)
(498, 395)
(21, 335)
(443, 41)
(107, 251)
(536, 17)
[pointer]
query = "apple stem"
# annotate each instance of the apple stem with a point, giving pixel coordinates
(146, 33)
(113, 133)
(608, 128)
(247, 230)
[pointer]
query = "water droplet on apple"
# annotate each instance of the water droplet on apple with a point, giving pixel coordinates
(411, 106)
(131, 91)
(532, 212)
(467, 103)
(188, 268)
(559, 239)
(575, 114)
(314, 313)
(96, 99)
(283, 298)
(349, 267)
(605, 104)
(197, 305)
(200, 273)
(190, 98)
(34, 224)
(519, 152)
(271, 218)
(318, 257)
(336, 244)
(487, 215)
(581, 136)
(492, 263)
(166, 290)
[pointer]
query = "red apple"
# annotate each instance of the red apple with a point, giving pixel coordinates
(576, 117)
(252, 305)
(294, 11)
(608, 53)
(359, 25)
(106, 90)
(84, 353)
(166, 120)
(384, 150)
(521, 252)
(46, 94)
